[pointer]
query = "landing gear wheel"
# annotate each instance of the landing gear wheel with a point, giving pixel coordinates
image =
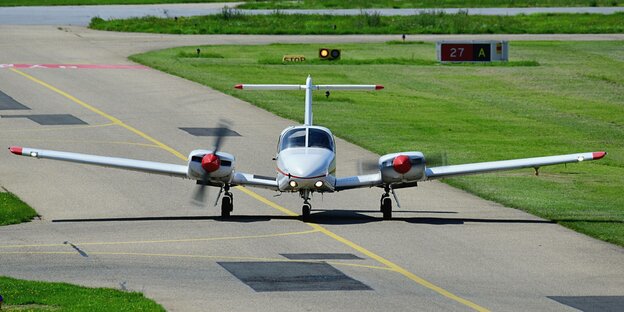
(231, 196)
(226, 206)
(305, 212)
(386, 208)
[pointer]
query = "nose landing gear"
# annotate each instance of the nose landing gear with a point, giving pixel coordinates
(227, 203)
(386, 204)
(307, 208)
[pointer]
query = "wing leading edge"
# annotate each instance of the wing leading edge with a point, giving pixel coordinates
(491, 166)
(174, 170)
(114, 162)
(432, 173)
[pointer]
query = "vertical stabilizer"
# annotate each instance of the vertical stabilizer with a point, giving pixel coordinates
(308, 102)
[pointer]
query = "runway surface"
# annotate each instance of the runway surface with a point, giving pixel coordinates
(82, 15)
(445, 250)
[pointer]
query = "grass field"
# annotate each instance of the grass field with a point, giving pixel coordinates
(13, 210)
(568, 98)
(233, 22)
(21, 295)
(339, 4)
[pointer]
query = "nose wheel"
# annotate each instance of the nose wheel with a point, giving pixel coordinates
(307, 208)
(305, 211)
(227, 203)
(386, 205)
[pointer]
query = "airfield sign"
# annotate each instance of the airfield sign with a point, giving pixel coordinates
(472, 51)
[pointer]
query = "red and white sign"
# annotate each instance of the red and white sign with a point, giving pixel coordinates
(72, 66)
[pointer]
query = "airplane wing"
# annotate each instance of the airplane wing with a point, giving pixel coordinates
(367, 180)
(181, 171)
(240, 178)
(432, 173)
(483, 167)
(114, 162)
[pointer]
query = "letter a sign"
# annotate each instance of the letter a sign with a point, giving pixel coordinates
(482, 52)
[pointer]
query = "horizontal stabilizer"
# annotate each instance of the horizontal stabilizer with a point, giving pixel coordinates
(303, 87)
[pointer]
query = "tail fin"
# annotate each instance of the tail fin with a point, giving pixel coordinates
(308, 87)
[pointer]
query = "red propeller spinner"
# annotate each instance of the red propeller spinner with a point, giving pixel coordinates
(211, 163)
(402, 164)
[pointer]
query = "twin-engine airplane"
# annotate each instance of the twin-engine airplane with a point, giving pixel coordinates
(306, 162)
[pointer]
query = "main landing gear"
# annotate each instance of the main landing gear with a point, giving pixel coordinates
(227, 203)
(307, 208)
(386, 204)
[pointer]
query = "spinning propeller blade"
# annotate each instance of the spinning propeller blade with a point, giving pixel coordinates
(367, 166)
(200, 194)
(436, 159)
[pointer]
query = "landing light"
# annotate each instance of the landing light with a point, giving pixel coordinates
(293, 183)
(318, 183)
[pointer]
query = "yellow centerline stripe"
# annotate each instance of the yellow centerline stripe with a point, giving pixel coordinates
(388, 263)
(207, 239)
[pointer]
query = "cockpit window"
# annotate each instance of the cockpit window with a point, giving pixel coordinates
(316, 138)
(293, 138)
(320, 138)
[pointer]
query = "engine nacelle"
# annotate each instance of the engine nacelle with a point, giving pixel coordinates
(218, 166)
(402, 167)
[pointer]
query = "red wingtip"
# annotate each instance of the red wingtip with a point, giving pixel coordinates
(379, 87)
(16, 150)
(598, 155)
(238, 86)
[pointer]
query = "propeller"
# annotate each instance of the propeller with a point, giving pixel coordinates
(437, 159)
(211, 163)
(367, 166)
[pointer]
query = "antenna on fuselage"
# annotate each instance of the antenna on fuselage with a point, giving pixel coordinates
(308, 87)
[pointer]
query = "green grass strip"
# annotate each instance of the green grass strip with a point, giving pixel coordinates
(551, 98)
(13, 210)
(356, 4)
(22, 295)
(233, 22)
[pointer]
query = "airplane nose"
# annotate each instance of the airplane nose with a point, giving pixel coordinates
(308, 166)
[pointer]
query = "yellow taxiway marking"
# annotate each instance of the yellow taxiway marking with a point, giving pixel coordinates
(113, 253)
(103, 114)
(393, 266)
(187, 240)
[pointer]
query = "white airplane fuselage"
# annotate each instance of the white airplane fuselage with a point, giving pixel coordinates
(306, 160)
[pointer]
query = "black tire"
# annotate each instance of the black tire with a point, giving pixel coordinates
(386, 208)
(226, 206)
(381, 202)
(305, 212)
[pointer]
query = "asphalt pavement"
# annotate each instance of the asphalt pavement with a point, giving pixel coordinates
(82, 15)
(446, 250)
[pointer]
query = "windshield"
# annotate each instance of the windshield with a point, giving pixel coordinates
(293, 138)
(316, 138)
(320, 138)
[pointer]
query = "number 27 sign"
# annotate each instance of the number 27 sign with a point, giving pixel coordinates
(458, 52)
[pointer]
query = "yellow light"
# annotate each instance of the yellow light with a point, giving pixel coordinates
(324, 52)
